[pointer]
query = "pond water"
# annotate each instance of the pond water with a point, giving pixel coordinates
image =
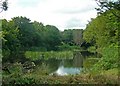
(66, 70)
(62, 67)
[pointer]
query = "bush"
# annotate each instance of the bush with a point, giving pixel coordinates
(37, 49)
(92, 49)
(89, 63)
(109, 59)
(64, 47)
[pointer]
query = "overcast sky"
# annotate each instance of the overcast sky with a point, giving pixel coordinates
(64, 14)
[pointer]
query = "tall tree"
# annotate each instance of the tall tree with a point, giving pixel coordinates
(103, 30)
(52, 37)
(27, 31)
(10, 40)
(67, 36)
(40, 34)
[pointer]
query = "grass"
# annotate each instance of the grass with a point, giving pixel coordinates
(40, 76)
(30, 78)
(89, 62)
(51, 54)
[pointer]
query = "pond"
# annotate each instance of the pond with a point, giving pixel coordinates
(59, 63)
(62, 66)
(65, 70)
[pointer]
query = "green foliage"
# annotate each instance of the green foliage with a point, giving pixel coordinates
(103, 33)
(40, 34)
(47, 37)
(108, 5)
(36, 79)
(20, 34)
(51, 54)
(90, 62)
(102, 30)
(65, 47)
(67, 36)
(10, 36)
(109, 59)
(72, 37)
(10, 39)
(92, 49)
(52, 37)
(42, 49)
(26, 31)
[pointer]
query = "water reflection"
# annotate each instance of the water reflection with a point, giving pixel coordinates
(65, 71)
(78, 59)
(62, 66)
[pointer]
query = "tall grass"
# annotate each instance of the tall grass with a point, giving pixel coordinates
(51, 54)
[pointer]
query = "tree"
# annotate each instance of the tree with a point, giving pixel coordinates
(26, 30)
(103, 30)
(40, 34)
(52, 37)
(10, 40)
(3, 5)
(67, 36)
(105, 5)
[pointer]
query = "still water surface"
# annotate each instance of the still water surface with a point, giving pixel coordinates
(65, 70)
(63, 67)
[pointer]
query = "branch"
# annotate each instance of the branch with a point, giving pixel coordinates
(103, 6)
(1, 9)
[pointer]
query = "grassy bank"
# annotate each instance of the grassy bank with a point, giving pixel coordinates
(70, 79)
(40, 76)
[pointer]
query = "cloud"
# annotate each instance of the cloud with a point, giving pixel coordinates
(28, 3)
(74, 11)
(61, 13)
(74, 23)
(85, 6)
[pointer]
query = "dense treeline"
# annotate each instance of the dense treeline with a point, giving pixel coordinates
(29, 34)
(103, 33)
(103, 30)
(20, 35)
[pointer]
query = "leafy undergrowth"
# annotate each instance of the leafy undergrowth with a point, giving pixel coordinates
(105, 77)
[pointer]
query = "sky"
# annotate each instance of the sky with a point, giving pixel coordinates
(64, 14)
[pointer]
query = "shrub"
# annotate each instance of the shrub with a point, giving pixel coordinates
(109, 59)
(89, 63)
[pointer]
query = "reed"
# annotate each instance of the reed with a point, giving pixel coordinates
(51, 54)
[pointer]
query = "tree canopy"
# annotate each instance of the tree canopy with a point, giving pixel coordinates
(105, 5)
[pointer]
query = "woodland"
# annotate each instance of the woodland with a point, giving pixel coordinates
(24, 41)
